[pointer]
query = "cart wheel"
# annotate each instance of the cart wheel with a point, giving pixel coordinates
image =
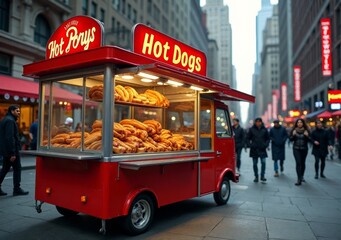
(66, 212)
(223, 195)
(140, 215)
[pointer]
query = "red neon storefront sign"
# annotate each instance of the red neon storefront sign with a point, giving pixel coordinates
(275, 96)
(77, 34)
(284, 97)
(297, 83)
(326, 42)
(334, 96)
(163, 48)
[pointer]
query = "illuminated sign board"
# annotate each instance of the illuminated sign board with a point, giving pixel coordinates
(294, 113)
(334, 96)
(326, 47)
(77, 34)
(275, 96)
(297, 83)
(163, 48)
(284, 96)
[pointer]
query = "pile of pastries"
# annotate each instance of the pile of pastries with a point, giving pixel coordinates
(129, 94)
(130, 136)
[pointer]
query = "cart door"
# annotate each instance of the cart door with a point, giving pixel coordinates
(206, 130)
(224, 141)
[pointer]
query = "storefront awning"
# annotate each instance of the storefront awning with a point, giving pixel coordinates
(314, 114)
(18, 87)
(26, 88)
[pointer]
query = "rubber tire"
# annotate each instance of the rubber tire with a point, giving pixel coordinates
(140, 215)
(222, 197)
(66, 212)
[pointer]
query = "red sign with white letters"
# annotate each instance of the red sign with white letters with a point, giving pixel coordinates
(326, 42)
(284, 96)
(163, 48)
(297, 83)
(77, 34)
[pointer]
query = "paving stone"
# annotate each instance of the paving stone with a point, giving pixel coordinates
(231, 228)
(290, 230)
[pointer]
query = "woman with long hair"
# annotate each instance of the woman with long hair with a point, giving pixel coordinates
(300, 135)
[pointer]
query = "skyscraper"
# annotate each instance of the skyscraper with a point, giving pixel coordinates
(219, 29)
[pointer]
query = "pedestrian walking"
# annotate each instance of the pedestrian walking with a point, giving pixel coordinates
(321, 143)
(331, 135)
(239, 141)
(9, 149)
(300, 135)
(34, 135)
(258, 140)
(278, 137)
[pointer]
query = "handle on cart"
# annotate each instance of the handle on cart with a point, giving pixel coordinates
(218, 153)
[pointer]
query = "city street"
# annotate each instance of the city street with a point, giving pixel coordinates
(274, 210)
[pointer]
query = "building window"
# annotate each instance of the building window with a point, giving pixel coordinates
(123, 7)
(93, 9)
(113, 22)
(164, 25)
(134, 16)
(4, 15)
(129, 11)
(149, 7)
(85, 7)
(102, 15)
(165, 6)
(5, 64)
(156, 11)
(42, 31)
(116, 4)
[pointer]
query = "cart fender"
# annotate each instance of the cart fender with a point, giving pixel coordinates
(132, 195)
(229, 174)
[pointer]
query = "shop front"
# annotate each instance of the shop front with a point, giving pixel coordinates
(25, 93)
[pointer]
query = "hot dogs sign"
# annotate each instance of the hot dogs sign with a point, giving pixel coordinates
(77, 34)
(163, 48)
(83, 33)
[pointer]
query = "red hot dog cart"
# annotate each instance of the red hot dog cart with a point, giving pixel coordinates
(153, 129)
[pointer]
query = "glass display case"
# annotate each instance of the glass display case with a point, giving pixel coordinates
(150, 114)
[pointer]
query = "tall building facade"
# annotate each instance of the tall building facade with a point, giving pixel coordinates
(264, 13)
(307, 51)
(25, 27)
(285, 56)
(219, 29)
(268, 86)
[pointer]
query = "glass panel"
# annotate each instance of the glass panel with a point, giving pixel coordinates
(151, 116)
(205, 124)
(45, 114)
(223, 128)
(66, 125)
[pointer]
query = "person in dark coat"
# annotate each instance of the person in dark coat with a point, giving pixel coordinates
(258, 140)
(239, 140)
(321, 143)
(9, 149)
(300, 136)
(278, 137)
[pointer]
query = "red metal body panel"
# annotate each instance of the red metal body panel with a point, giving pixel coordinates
(109, 194)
